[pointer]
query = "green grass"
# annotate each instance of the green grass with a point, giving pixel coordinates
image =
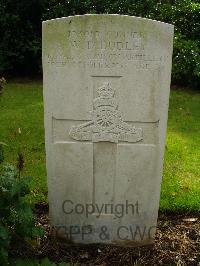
(21, 110)
(181, 180)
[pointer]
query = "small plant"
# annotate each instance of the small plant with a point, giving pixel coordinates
(16, 216)
(2, 83)
(2, 151)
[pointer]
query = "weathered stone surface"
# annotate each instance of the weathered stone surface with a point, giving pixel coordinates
(106, 90)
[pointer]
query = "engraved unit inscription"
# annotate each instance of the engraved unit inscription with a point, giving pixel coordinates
(107, 123)
(106, 50)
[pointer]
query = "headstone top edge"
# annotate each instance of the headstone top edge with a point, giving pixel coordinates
(107, 15)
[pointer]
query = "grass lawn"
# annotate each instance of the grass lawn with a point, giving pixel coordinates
(21, 127)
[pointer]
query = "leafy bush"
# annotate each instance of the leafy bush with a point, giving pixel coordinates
(185, 15)
(16, 217)
(186, 50)
(20, 29)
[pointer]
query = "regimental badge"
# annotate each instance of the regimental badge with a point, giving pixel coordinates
(107, 123)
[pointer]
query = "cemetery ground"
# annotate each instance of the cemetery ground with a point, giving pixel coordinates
(177, 240)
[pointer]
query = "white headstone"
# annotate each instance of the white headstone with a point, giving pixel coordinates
(106, 92)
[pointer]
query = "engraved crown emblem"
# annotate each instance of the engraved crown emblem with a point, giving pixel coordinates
(106, 90)
(106, 96)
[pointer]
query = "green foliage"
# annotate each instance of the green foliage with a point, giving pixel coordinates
(186, 50)
(185, 15)
(20, 46)
(20, 29)
(16, 217)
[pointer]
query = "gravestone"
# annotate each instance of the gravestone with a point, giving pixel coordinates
(106, 92)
